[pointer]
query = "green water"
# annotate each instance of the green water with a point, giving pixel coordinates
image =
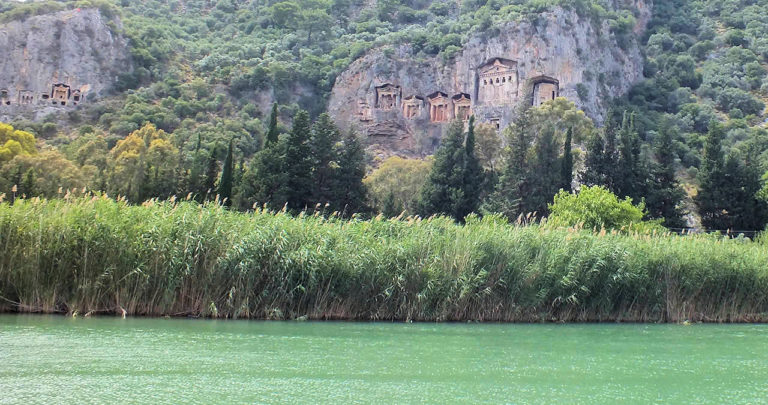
(55, 360)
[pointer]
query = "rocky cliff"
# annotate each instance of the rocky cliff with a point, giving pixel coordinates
(403, 104)
(55, 62)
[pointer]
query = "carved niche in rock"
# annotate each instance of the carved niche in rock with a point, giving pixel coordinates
(387, 96)
(439, 107)
(462, 106)
(497, 82)
(77, 96)
(412, 106)
(545, 88)
(26, 97)
(364, 111)
(5, 97)
(60, 93)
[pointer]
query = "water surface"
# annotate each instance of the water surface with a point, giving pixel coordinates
(106, 360)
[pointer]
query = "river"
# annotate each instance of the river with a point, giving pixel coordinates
(57, 360)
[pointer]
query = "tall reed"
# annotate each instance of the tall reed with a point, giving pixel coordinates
(97, 255)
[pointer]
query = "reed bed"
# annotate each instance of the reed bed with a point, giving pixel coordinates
(95, 255)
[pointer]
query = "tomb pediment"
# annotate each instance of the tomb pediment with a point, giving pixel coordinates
(497, 65)
(437, 96)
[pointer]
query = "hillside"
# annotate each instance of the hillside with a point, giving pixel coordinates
(206, 73)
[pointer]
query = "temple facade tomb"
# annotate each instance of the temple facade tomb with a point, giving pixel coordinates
(462, 106)
(364, 111)
(60, 93)
(412, 106)
(545, 88)
(387, 96)
(439, 107)
(497, 82)
(26, 97)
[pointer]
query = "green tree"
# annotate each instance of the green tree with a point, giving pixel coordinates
(227, 174)
(711, 199)
(143, 165)
(443, 193)
(474, 177)
(350, 191)
(596, 170)
(391, 207)
(14, 142)
(324, 156)
(272, 133)
(265, 178)
(596, 208)
(285, 13)
(298, 167)
(514, 183)
(315, 21)
(45, 174)
(629, 173)
(400, 178)
(211, 174)
(664, 196)
(28, 186)
(488, 146)
(566, 164)
(543, 178)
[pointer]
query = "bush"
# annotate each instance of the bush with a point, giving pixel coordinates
(597, 208)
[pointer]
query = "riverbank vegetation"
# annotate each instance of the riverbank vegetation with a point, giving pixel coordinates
(95, 255)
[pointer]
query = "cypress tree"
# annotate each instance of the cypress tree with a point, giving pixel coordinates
(272, 134)
(265, 179)
(227, 173)
(543, 177)
(28, 186)
(324, 158)
(391, 208)
(628, 178)
(513, 184)
(474, 178)
(744, 211)
(443, 192)
(211, 173)
(566, 166)
(610, 159)
(712, 190)
(664, 196)
(595, 167)
(298, 163)
(349, 188)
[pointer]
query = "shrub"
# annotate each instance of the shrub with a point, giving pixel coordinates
(597, 208)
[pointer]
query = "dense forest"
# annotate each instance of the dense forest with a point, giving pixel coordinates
(688, 144)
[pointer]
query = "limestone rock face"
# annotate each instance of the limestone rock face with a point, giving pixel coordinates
(55, 62)
(403, 104)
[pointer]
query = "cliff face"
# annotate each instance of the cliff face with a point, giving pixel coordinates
(403, 104)
(55, 62)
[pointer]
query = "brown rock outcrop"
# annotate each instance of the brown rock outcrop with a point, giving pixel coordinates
(403, 104)
(54, 62)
